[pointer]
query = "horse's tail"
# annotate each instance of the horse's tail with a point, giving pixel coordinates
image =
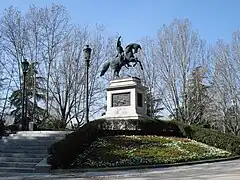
(105, 68)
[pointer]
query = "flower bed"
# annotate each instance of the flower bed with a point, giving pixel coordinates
(112, 151)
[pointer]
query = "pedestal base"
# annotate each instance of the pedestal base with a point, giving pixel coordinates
(126, 99)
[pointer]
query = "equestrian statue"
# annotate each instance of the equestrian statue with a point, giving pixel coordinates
(123, 58)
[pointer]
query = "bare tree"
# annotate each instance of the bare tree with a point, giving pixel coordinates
(150, 77)
(55, 28)
(67, 78)
(34, 45)
(226, 84)
(96, 85)
(47, 38)
(179, 51)
(13, 32)
(13, 42)
(5, 87)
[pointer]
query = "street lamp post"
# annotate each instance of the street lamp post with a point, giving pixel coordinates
(25, 65)
(87, 54)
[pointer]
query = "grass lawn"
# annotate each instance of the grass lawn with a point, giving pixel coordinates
(115, 151)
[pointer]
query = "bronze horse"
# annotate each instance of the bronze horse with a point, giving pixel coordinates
(123, 58)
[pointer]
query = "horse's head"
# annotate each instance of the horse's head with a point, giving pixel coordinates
(132, 46)
(136, 47)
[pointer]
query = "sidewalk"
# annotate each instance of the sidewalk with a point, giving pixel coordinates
(227, 170)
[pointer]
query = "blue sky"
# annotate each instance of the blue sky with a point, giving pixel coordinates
(135, 19)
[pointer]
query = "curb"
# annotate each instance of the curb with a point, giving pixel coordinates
(143, 166)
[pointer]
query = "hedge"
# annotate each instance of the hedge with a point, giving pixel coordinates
(214, 138)
(63, 153)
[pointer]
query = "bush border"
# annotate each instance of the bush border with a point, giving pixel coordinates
(122, 168)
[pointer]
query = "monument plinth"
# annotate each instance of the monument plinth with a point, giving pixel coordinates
(126, 99)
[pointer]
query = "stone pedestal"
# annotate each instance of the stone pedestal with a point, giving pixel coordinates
(126, 99)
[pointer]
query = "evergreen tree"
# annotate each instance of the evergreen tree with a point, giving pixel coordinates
(232, 118)
(197, 96)
(196, 99)
(35, 94)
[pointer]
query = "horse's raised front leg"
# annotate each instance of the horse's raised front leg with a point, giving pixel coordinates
(140, 63)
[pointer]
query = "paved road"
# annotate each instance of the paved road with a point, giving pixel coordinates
(228, 170)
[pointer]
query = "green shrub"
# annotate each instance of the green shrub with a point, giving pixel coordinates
(112, 151)
(202, 133)
(64, 152)
(214, 138)
(142, 127)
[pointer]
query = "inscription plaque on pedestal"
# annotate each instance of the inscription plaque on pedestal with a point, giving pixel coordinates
(121, 99)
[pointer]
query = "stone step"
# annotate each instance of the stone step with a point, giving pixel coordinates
(24, 149)
(21, 152)
(7, 177)
(17, 175)
(43, 133)
(7, 147)
(22, 146)
(22, 155)
(20, 159)
(27, 142)
(34, 138)
(36, 151)
(14, 169)
(29, 139)
(38, 134)
(18, 164)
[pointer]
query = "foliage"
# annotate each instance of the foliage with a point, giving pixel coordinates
(82, 138)
(34, 94)
(78, 141)
(139, 150)
(46, 35)
(64, 152)
(47, 38)
(51, 124)
(197, 97)
(232, 119)
(214, 138)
